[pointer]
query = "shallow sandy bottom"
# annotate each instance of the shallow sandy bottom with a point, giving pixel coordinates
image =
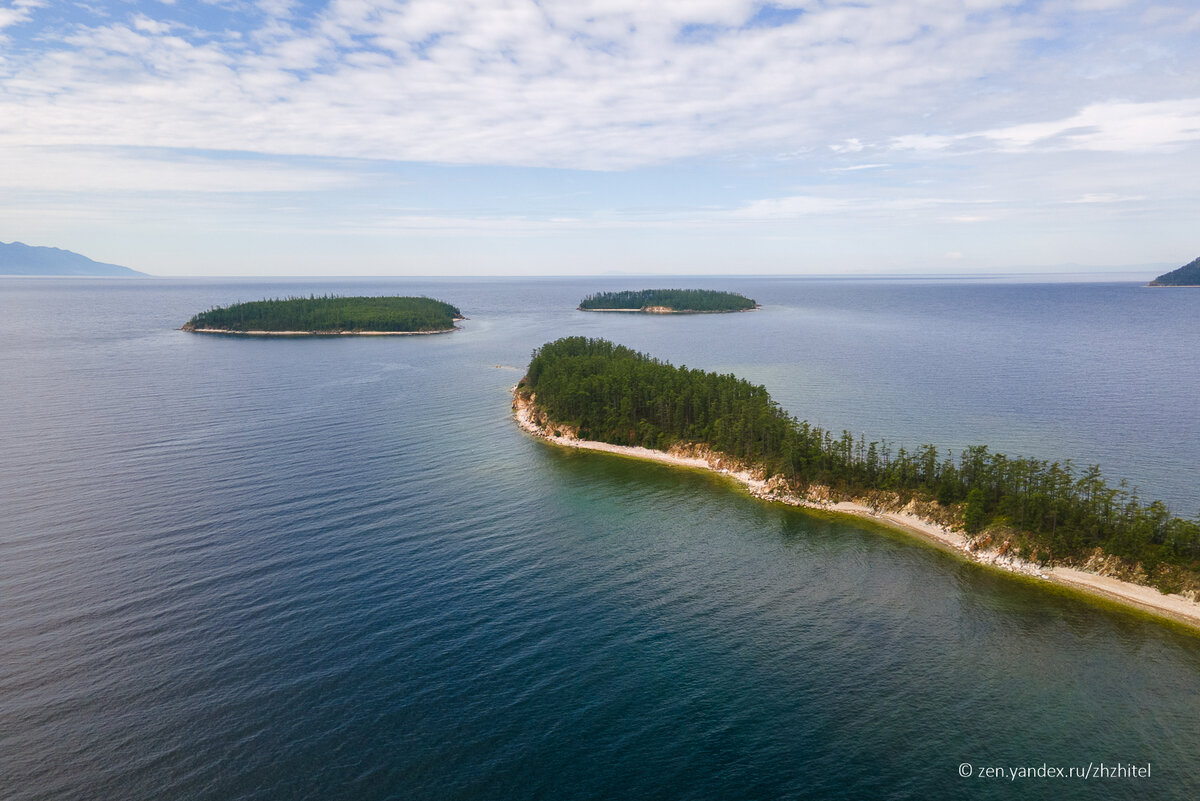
(1149, 599)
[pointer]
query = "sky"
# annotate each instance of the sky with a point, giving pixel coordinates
(564, 137)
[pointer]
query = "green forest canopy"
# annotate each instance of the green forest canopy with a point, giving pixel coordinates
(331, 313)
(1187, 275)
(680, 300)
(1057, 512)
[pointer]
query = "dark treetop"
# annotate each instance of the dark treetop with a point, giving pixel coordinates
(331, 314)
(18, 258)
(1187, 275)
(1053, 512)
(678, 300)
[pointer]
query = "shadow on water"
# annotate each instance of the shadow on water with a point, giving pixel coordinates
(910, 639)
(1035, 605)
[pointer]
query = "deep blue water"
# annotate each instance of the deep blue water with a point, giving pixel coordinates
(334, 568)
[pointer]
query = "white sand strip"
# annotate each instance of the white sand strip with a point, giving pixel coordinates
(1148, 599)
(317, 333)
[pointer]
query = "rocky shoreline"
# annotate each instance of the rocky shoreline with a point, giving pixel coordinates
(194, 330)
(981, 549)
(669, 310)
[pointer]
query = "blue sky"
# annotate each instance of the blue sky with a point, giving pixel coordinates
(476, 137)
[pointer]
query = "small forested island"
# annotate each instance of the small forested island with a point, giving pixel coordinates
(668, 301)
(329, 314)
(1047, 519)
(1187, 275)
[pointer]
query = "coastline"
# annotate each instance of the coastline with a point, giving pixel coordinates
(1175, 608)
(665, 310)
(317, 333)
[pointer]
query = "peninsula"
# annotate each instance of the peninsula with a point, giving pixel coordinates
(668, 301)
(17, 258)
(1045, 520)
(1187, 275)
(329, 315)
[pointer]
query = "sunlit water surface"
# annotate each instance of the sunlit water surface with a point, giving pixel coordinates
(334, 569)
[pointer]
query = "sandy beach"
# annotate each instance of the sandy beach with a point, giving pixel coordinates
(317, 333)
(666, 310)
(1147, 599)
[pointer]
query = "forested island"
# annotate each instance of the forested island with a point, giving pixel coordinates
(1187, 275)
(1039, 513)
(668, 301)
(329, 314)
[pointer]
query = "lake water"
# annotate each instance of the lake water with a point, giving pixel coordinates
(335, 569)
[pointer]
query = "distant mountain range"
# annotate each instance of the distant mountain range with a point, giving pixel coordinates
(1187, 275)
(21, 259)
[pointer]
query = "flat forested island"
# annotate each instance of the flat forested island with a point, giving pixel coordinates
(668, 301)
(1048, 519)
(329, 314)
(1187, 275)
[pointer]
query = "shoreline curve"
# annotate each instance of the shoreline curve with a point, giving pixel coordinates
(1139, 597)
(667, 310)
(231, 332)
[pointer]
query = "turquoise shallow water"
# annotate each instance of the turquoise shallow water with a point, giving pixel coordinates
(334, 568)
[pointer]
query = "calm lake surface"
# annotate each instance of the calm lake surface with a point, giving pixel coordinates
(335, 569)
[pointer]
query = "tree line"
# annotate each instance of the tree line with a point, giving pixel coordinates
(676, 299)
(1054, 510)
(331, 313)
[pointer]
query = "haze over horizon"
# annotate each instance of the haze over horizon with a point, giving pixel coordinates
(447, 137)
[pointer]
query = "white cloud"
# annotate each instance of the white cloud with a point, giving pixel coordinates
(604, 85)
(18, 12)
(1106, 197)
(1109, 126)
(1098, 5)
(146, 25)
(1112, 126)
(787, 208)
(798, 206)
(849, 146)
(56, 170)
(841, 121)
(857, 167)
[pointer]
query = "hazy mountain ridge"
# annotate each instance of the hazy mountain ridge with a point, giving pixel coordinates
(18, 258)
(1187, 275)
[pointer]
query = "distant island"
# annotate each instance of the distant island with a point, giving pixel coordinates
(1187, 275)
(668, 301)
(329, 315)
(1044, 519)
(17, 258)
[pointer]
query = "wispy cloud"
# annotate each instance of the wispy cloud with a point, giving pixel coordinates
(798, 206)
(1113, 126)
(774, 119)
(1106, 197)
(17, 12)
(109, 171)
(857, 167)
(597, 85)
(560, 83)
